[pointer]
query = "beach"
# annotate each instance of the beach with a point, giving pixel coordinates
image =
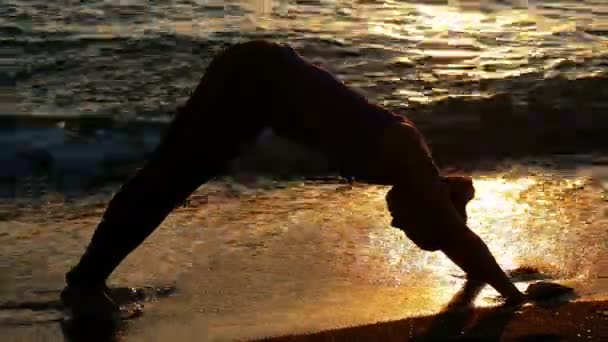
(279, 247)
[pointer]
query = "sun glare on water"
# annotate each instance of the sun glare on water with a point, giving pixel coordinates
(443, 18)
(496, 214)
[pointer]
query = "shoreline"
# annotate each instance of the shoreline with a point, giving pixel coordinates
(100, 149)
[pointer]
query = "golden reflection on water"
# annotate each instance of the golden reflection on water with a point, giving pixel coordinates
(443, 18)
(497, 213)
(526, 221)
(385, 48)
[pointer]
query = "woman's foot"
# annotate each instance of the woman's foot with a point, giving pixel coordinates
(89, 302)
(516, 300)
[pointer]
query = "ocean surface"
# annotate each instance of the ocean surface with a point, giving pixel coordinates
(90, 85)
(512, 92)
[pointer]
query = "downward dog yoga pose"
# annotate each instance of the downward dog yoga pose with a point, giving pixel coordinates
(258, 85)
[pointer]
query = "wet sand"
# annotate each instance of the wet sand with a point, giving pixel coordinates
(279, 258)
(576, 321)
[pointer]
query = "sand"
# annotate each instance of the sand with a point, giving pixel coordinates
(569, 322)
(307, 258)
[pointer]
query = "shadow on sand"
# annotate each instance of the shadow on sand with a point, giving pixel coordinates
(559, 320)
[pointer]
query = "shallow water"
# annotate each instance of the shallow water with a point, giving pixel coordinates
(271, 258)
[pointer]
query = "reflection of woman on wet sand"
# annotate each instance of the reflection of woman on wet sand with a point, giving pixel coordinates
(229, 108)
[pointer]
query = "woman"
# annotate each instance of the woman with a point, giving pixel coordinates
(258, 85)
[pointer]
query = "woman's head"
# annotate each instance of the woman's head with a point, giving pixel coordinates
(460, 188)
(422, 217)
(462, 192)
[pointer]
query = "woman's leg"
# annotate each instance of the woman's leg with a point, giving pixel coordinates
(248, 87)
(200, 143)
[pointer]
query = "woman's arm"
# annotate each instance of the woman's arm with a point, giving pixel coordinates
(471, 254)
